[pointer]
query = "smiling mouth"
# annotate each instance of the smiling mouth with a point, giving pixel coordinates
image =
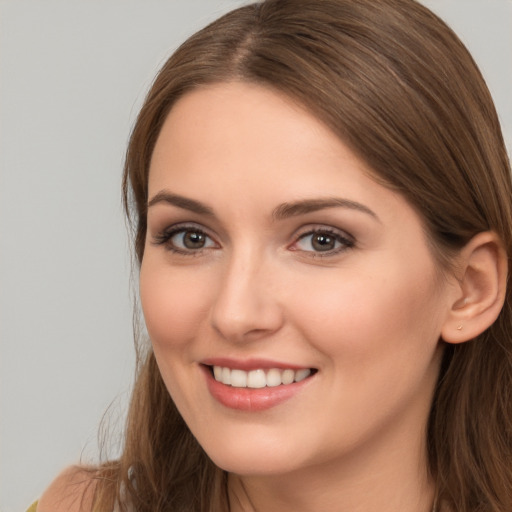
(259, 378)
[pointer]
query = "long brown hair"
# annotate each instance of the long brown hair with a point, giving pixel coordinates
(398, 86)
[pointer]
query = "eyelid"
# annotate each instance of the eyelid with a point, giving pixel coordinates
(347, 240)
(164, 236)
(323, 228)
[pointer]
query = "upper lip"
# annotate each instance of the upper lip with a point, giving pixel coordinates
(250, 364)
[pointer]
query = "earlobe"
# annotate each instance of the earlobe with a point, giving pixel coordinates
(482, 285)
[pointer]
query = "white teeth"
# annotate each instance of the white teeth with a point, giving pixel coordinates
(256, 379)
(217, 372)
(238, 378)
(226, 375)
(287, 376)
(273, 378)
(259, 378)
(302, 374)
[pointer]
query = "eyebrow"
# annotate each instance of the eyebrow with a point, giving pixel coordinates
(281, 212)
(305, 206)
(185, 203)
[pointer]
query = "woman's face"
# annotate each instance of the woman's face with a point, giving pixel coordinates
(272, 257)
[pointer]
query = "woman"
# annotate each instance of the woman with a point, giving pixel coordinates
(321, 201)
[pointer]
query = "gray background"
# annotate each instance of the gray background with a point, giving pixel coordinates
(73, 74)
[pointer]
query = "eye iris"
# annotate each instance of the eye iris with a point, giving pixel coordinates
(323, 242)
(194, 240)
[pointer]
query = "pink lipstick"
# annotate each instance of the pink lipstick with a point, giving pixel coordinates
(254, 385)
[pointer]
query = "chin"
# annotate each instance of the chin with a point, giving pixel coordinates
(250, 457)
(253, 466)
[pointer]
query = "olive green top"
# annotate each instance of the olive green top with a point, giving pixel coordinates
(32, 507)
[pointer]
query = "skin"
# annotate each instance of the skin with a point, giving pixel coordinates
(367, 316)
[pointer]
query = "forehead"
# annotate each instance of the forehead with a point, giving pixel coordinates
(231, 131)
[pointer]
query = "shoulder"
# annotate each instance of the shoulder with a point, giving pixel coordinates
(71, 491)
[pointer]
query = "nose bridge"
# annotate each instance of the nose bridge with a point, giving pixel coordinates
(245, 304)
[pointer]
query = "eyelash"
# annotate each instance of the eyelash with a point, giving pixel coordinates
(164, 238)
(346, 242)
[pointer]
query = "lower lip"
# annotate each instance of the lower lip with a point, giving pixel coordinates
(249, 399)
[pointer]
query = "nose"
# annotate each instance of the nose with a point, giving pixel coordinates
(246, 304)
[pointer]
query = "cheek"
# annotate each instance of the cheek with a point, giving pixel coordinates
(174, 301)
(364, 317)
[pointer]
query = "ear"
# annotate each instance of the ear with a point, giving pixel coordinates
(480, 294)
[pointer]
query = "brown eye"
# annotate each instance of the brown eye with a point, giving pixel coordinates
(193, 240)
(187, 240)
(323, 241)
